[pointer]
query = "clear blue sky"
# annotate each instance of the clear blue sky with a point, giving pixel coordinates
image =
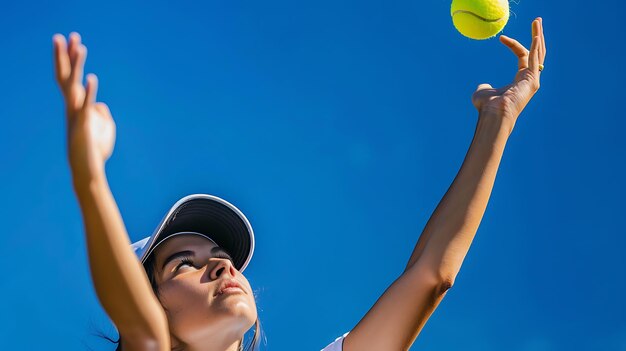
(336, 127)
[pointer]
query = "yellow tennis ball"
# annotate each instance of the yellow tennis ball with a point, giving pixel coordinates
(479, 19)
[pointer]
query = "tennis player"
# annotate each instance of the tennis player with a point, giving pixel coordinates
(183, 288)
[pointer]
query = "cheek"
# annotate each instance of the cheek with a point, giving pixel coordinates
(249, 297)
(181, 295)
(187, 306)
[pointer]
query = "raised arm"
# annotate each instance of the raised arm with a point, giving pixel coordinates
(119, 280)
(396, 319)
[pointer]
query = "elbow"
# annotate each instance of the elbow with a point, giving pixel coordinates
(439, 281)
(444, 283)
(444, 286)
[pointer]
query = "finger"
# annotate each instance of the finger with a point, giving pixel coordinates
(78, 54)
(518, 49)
(74, 40)
(540, 46)
(76, 75)
(91, 90)
(61, 59)
(542, 58)
(533, 60)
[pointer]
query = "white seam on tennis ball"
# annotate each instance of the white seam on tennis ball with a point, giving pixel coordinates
(477, 16)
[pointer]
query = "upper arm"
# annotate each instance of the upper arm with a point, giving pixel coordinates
(398, 316)
(143, 328)
(120, 281)
(135, 311)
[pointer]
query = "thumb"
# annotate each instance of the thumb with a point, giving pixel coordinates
(483, 91)
(483, 86)
(103, 108)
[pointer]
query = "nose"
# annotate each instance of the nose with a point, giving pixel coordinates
(222, 267)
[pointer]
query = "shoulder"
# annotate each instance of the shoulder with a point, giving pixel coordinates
(336, 345)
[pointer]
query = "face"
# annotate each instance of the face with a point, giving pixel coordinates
(188, 289)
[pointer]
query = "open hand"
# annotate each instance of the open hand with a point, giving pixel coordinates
(508, 102)
(90, 126)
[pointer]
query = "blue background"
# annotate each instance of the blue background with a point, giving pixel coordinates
(336, 127)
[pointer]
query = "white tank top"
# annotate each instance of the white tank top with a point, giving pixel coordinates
(336, 345)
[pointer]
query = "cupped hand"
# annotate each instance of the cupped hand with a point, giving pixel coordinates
(508, 102)
(90, 126)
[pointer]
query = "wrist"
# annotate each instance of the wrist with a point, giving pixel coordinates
(86, 183)
(495, 123)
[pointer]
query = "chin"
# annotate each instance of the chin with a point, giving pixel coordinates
(237, 309)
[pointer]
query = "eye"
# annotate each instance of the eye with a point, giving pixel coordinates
(221, 254)
(184, 261)
(189, 262)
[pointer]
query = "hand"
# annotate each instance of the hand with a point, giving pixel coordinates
(90, 126)
(507, 103)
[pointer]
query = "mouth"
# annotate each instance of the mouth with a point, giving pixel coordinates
(229, 286)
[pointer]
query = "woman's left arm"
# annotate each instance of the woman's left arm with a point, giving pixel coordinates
(396, 319)
(449, 232)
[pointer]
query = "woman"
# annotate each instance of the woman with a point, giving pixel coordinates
(201, 300)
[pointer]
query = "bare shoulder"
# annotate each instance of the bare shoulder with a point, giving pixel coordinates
(399, 314)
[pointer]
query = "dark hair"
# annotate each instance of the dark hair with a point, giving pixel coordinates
(253, 345)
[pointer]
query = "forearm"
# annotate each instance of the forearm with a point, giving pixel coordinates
(119, 279)
(450, 230)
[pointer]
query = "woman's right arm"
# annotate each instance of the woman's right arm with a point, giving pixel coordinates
(120, 281)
